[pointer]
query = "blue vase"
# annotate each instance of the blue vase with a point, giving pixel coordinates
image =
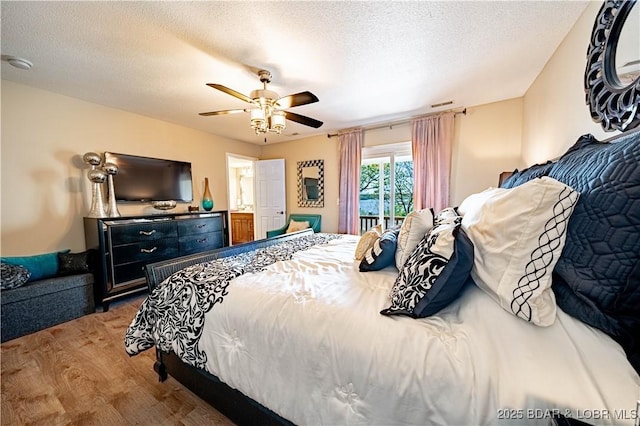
(207, 199)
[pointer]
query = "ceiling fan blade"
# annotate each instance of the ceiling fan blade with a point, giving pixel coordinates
(231, 92)
(311, 122)
(302, 98)
(226, 111)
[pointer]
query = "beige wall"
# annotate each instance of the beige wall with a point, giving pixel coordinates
(314, 148)
(555, 112)
(486, 142)
(46, 160)
(44, 189)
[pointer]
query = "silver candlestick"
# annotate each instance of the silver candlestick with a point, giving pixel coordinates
(111, 170)
(97, 177)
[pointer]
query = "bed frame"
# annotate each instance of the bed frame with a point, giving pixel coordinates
(235, 405)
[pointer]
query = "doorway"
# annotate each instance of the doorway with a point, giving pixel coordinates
(241, 193)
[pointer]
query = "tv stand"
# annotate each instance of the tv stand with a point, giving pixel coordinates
(126, 244)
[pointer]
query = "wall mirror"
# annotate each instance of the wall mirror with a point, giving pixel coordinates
(311, 183)
(612, 76)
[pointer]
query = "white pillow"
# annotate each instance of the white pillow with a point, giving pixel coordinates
(295, 226)
(518, 235)
(367, 240)
(414, 227)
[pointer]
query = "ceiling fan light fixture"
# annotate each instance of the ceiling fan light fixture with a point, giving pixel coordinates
(267, 113)
(258, 120)
(278, 121)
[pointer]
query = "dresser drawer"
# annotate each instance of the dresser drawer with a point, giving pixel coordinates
(199, 226)
(201, 242)
(131, 233)
(146, 251)
(123, 274)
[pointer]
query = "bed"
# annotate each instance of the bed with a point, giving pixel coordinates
(294, 330)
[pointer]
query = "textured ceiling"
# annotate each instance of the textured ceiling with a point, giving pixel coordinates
(368, 62)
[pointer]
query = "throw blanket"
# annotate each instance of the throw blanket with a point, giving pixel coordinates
(172, 316)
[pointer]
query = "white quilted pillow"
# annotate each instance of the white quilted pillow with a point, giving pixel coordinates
(414, 227)
(518, 235)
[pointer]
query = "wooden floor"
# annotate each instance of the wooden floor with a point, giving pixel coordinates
(78, 373)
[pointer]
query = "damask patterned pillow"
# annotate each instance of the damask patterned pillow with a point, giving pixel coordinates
(382, 253)
(518, 235)
(434, 274)
(13, 276)
(447, 215)
(413, 229)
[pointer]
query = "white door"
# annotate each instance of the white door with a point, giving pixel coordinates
(270, 197)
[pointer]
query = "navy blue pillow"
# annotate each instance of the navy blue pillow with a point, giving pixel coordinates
(383, 252)
(594, 277)
(451, 280)
(538, 170)
(522, 176)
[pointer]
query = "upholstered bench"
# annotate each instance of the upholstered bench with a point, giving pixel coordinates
(44, 303)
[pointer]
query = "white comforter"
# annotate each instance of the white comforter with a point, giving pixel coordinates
(305, 338)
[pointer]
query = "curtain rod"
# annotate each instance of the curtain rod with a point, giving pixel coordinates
(397, 123)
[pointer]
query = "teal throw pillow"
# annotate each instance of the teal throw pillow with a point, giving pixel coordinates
(40, 266)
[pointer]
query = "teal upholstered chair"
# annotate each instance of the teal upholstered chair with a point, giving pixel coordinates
(315, 222)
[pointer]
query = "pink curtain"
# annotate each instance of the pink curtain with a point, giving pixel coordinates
(431, 142)
(350, 152)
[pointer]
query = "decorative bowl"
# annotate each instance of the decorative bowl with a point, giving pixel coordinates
(164, 205)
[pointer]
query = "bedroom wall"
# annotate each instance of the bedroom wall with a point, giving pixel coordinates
(45, 193)
(44, 189)
(313, 148)
(487, 141)
(555, 113)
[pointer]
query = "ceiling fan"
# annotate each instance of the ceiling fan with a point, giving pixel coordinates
(268, 108)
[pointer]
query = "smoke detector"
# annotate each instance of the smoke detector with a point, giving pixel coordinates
(20, 63)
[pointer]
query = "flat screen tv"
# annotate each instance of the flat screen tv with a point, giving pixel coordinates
(146, 179)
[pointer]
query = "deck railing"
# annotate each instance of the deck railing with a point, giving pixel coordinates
(368, 222)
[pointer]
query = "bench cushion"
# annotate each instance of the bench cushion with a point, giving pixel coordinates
(45, 303)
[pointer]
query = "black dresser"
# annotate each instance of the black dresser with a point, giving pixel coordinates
(126, 244)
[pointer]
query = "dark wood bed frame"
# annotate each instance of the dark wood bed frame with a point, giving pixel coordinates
(232, 403)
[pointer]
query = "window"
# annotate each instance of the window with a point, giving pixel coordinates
(386, 185)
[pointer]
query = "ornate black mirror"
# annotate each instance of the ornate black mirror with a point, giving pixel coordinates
(612, 76)
(311, 183)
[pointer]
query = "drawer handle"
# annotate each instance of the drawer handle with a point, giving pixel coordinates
(147, 233)
(149, 250)
(202, 225)
(204, 240)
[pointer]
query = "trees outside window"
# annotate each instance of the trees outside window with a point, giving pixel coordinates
(386, 185)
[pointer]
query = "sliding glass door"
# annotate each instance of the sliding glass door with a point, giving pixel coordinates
(386, 185)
